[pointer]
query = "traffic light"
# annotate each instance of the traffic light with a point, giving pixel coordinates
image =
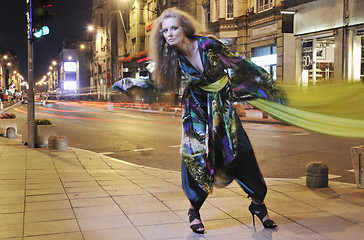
(41, 15)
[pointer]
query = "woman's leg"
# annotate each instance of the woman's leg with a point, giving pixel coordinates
(192, 190)
(246, 170)
(247, 174)
(197, 196)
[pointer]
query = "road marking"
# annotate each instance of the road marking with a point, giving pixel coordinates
(300, 134)
(145, 149)
(107, 153)
(351, 170)
(175, 146)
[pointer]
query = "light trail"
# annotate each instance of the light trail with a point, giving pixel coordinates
(97, 119)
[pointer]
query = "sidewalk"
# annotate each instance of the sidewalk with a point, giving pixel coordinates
(77, 194)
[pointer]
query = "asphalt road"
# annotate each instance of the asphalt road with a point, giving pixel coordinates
(152, 139)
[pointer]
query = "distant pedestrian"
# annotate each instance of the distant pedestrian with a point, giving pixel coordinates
(215, 148)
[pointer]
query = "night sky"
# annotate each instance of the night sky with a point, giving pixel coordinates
(71, 20)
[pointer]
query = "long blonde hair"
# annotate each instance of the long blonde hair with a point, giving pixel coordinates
(167, 74)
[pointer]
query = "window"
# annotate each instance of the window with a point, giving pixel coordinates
(229, 9)
(101, 20)
(217, 10)
(207, 15)
(264, 5)
(150, 11)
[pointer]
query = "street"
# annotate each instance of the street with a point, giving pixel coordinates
(152, 139)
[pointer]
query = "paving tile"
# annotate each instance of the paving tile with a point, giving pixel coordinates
(45, 191)
(136, 198)
(165, 196)
(179, 204)
(50, 227)
(119, 182)
(154, 218)
(352, 232)
(165, 231)
(80, 184)
(48, 215)
(11, 231)
(37, 186)
(11, 200)
(143, 207)
(59, 236)
(12, 193)
(89, 202)
(8, 182)
(97, 211)
(46, 197)
(156, 190)
(11, 187)
(286, 230)
(88, 195)
(11, 218)
(288, 187)
(293, 207)
(47, 205)
(226, 201)
(130, 190)
(12, 208)
(106, 222)
(213, 214)
(83, 189)
(318, 219)
(12, 176)
(129, 233)
(223, 226)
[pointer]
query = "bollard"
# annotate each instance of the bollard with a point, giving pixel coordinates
(11, 132)
(357, 157)
(61, 143)
(317, 175)
(52, 142)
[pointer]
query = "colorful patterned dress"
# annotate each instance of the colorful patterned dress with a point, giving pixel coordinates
(215, 148)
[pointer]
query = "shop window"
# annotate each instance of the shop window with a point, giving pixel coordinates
(266, 57)
(362, 60)
(358, 57)
(318, 61)
(264, 5)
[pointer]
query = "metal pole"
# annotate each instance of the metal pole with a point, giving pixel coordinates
(30, 114)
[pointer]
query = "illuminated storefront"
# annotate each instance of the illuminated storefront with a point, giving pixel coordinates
(329, 41)
(266, 57)
(318, 55)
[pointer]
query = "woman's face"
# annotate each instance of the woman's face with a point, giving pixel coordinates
(173, 32)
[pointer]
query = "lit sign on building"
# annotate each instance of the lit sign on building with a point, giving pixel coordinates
(265, 60)
(70, 85)
(70, 66)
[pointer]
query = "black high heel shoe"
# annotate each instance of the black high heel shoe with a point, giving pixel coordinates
(261, 211)
(197, 228)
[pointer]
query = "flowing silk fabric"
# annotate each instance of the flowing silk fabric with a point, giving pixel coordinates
(336, 109)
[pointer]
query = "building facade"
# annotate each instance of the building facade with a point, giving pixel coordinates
(304, 42)
(74, 67)
(10, 79)
(329, 37)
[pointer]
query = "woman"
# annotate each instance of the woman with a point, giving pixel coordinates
(215, 148)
